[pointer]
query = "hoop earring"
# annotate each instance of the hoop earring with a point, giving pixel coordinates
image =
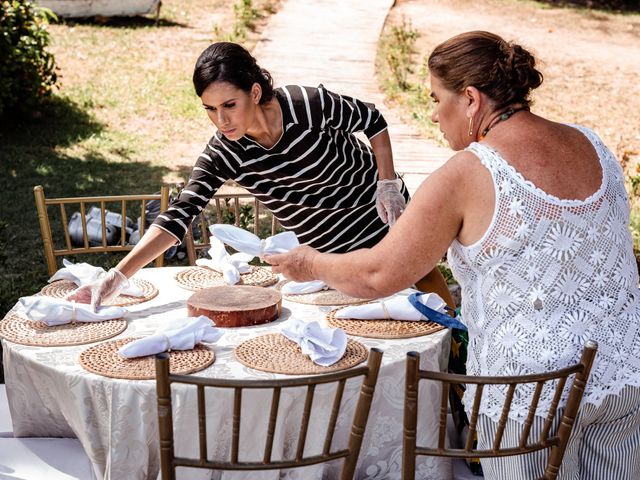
(470, 125)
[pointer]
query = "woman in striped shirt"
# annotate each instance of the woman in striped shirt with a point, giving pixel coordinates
(295, 150)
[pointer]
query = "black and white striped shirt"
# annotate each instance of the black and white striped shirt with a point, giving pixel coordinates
(319, 180)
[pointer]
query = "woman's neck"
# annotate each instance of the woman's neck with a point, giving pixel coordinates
(267, 126)
(494, 117)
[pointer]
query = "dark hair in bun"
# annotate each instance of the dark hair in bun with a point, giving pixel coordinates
(502, 70)
(232, 63)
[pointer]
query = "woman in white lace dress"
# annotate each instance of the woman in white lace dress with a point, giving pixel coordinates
(535, 216)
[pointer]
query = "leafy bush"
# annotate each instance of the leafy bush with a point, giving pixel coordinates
(27, 70)
(399, 52)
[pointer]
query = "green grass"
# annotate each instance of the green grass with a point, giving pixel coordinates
(36, 153)
(403, 77)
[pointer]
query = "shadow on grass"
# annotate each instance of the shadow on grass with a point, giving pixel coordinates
(59, 122)
(622, 6)
(30, 157)
(124, 22)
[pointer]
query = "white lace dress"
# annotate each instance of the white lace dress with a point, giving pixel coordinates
(548, 275)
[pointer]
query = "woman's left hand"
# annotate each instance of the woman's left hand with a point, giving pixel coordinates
(296, 265)
(389, 201)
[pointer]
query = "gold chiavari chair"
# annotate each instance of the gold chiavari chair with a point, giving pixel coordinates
(169, 461)
(557, 441)
(47, 206)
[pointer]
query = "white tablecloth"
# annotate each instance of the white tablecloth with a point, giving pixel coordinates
(51, 395)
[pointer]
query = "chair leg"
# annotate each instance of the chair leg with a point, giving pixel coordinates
(410, 417)
(362, 414)
(165, 417)
(571, 410)
(191, 251)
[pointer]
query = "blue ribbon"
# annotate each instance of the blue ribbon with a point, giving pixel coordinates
(433, 315)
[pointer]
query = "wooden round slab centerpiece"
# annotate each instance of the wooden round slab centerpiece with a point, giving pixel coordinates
(236, 305)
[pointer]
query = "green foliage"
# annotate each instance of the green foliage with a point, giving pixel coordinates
(246, 15)
(247, 218)
(399, 52)
(630, 161)
(399, 79)
(246, 215)
(634, 226)
(446, 273)
(27, 70)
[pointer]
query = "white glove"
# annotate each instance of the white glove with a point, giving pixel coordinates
(102, 290)
(389, 201)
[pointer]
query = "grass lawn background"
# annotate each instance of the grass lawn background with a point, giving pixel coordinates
(124, 120)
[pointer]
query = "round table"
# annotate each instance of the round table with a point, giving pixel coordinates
(50, 394)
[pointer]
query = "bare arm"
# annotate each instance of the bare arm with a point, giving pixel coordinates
(410, 250)
(154, 242)
(381, 145)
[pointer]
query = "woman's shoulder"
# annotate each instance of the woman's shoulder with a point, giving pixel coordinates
(300, 93)
(303, 102)
(582, 141)
(460, 166)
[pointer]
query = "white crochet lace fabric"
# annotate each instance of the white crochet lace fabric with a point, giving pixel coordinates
(548, 275)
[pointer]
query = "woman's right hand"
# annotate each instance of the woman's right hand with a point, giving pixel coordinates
(104, 289)
(295, 264)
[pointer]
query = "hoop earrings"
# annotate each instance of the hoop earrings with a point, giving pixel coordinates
(471, 125)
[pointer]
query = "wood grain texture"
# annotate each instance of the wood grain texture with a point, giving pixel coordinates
(236, 306)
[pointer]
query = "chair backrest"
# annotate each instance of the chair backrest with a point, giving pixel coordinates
(229, 203)
(169, 461)
(556, 442)
(105, 241)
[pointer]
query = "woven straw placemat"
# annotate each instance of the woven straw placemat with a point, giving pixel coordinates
(323, 297)
(275, 353)
(197, 278)
(62, 288)
(20, 330)
(104, 359)
(382, 328)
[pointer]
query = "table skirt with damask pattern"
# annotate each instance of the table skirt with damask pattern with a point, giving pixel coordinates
(51, 395)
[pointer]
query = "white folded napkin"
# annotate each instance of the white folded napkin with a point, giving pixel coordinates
(247, 242)
(78, 273)
(231, 266)
(55, 311)
(297, 288)
(83, 274)
(393, 308)
(181, 334)
(325, 346)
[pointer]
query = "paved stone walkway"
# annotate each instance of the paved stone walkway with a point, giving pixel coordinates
(334, 42)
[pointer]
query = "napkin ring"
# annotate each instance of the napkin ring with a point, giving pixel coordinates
(166, 339)
(386, 312)
(74, 312)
